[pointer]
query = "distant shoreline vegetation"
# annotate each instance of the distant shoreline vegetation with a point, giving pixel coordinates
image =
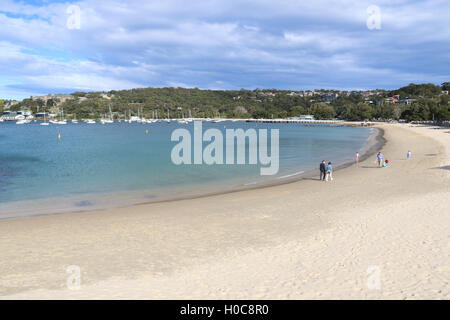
(415, 102)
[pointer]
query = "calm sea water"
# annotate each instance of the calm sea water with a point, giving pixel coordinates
(99, 166)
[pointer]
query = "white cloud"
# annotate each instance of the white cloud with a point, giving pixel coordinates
(241, 43)
(81, 81)
(322, 40)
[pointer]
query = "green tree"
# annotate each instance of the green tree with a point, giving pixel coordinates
(50, 103)
(295, 111)
(360, 111)
(386, 112)
(418, 90)
(322, 110)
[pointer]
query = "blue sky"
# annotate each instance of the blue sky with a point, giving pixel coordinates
(218, 44)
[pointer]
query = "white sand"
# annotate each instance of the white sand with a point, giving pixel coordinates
(307, 239)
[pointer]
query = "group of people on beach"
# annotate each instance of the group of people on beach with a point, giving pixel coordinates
(383, 163)
(380, 159)
(326, 171)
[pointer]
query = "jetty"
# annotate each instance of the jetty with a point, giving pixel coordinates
(315, 123)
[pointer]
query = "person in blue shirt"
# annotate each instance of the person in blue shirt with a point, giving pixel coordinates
(380, 158)
(329, 172)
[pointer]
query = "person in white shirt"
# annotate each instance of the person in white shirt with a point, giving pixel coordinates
(329, 172)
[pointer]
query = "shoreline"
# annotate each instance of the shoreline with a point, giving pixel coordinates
(283, 242)
(374, 142)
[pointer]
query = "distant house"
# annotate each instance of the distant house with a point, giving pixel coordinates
(330, 96)
(406, 101)
(16, 115)
(391, 100)
(306, 117)
(270, 94)
(42, 115)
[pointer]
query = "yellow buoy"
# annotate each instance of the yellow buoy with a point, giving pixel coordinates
(59, 136)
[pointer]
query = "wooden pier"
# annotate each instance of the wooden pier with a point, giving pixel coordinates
(314, 123)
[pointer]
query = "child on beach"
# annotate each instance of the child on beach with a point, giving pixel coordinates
(357, 159)
(408, 155)
(329, 172)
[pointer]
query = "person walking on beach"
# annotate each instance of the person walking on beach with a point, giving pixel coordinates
(323, 170)
(357, 159)
(408, 154)
(380, 158)
(329, 172)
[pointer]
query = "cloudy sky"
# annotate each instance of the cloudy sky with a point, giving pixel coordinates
(46, 47)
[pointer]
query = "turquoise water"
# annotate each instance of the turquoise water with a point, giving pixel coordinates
(95, 166)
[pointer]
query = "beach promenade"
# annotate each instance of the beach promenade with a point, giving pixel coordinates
(372, 233)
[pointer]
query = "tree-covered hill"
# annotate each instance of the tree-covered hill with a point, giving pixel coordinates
(412, 102)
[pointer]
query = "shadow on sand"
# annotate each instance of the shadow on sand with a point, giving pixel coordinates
(442, 168)
(437, 127)
(313, 179)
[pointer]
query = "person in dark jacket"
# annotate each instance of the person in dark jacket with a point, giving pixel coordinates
(323, 170)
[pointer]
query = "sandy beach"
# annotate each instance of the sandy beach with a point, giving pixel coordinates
(372, 233)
